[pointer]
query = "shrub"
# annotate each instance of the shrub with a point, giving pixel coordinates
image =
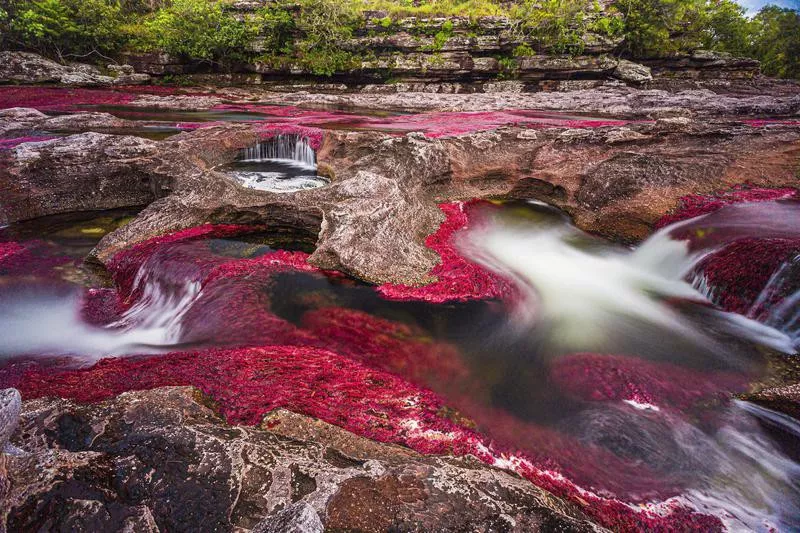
(198, 29)
(557, 25)
(324, 24)
(776, 41)
(66, 28)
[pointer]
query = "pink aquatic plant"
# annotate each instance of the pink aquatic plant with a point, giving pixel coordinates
(458, 278)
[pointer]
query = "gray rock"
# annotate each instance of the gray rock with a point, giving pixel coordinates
(10, 409)
(631, 72)
(163, 460)
(26, 67)
(299, 517)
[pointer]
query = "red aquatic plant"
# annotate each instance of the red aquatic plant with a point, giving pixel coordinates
(248, 383)
(739, 272)
(599, 377)
(458, 279)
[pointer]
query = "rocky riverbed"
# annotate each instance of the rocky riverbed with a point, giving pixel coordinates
(339, 404)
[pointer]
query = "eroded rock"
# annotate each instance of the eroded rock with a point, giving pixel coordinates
(161, 459)
(373, 219)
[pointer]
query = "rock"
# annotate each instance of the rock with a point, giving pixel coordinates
(26, 67)
(299, 517)
(17, 121)
(121, 69)
(631, 72)
(95, 171)
(372, 222)
(506, 86)
(162, 459)
(608, 100)
(132, 79)
(10, 408)
(785, 399)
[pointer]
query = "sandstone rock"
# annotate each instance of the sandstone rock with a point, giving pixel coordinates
(95, 171)
(16, 121)
(632, 72)
(25, 67)
(608, 99)
(121, 69)
(374, 218)
(10, 408)
(161, 459)
(506, 86)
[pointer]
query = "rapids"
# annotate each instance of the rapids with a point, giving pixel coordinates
(606, 373)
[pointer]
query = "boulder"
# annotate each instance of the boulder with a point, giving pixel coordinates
(10, 408)
(26, 67)
(631, 72)
(162, 459)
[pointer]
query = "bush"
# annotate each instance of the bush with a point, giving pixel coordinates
(324, 24)
(556, 25)
(198, 29)
(66, 28)
(776, 41)
(668, 27)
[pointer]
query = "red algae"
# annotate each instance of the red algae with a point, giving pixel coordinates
(72, 99)
(599, 377)
(739, 272)
(363, 373)
(28, 258)
(458, 278)
(389, 346)
(696, 205)
(249, 383)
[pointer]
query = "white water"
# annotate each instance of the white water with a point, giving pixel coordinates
(286, 163)
(603, 298)
(43, 323)
(278, 181)
(288, 148)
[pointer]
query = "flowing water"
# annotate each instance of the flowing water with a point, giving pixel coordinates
(285, 163)
(612, 365)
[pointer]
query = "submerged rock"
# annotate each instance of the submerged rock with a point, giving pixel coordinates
(10, 408)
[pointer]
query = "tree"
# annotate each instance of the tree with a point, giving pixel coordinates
(68, 28)
(776, 41)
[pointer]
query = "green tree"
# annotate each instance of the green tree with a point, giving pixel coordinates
(198, 29)
(324, 24)
(67, 28)
(776, 41)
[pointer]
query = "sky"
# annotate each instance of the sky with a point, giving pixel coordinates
(753, 6)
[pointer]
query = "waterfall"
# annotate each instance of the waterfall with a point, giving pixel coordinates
(285, 148)
(778, 304)
(586, 297)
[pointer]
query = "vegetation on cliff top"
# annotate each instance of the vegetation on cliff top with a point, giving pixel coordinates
(308, 33)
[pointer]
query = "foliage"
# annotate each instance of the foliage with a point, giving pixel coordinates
(437, 8)
(324, 24)
(777, 41)
(310, 33)
(557, 25)
(667, 27)
(198, 29)
(65, 28)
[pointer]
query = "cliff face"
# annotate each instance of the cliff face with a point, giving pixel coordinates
(454, 54)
